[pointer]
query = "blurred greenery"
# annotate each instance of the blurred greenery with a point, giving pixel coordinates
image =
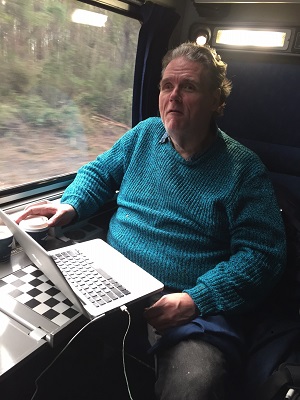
(52, 68)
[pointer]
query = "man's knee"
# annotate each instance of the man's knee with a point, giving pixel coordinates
(191, 370)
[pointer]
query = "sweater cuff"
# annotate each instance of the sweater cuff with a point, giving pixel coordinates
(202, 298)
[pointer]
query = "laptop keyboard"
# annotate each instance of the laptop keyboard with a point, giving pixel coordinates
(96, 285)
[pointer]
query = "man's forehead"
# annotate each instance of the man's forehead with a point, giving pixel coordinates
(185, 69)
(185, 72)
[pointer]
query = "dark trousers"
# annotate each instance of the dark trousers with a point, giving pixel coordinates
(193, 369)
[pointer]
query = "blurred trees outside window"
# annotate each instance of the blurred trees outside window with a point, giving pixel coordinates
(66, 88)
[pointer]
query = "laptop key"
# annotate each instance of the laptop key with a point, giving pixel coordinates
(112, 295)
(117, 292)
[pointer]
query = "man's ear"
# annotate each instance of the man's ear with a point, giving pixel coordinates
(216, 99)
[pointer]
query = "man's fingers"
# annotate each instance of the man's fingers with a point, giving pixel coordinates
(37, 210)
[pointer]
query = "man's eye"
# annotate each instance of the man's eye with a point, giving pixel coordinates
(189, 87)
(166, 86)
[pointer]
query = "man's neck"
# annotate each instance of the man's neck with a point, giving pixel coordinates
(189, 148)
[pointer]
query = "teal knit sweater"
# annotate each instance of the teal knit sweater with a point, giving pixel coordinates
(210, 226)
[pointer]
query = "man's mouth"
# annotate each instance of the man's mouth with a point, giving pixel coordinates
(174, 111)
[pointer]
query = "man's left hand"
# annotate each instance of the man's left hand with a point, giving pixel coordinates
(171, 310)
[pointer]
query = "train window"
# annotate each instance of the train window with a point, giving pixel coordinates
(66, 87)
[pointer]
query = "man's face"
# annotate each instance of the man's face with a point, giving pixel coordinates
(186, 101)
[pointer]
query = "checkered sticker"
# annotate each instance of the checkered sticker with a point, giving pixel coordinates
(32, 288)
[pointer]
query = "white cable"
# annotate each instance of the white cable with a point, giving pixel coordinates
(60, 353)
(124, 309)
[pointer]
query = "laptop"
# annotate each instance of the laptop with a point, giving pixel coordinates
(120, 281)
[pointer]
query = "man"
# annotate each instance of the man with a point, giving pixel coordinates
(196, 210)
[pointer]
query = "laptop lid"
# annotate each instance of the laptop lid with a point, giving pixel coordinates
(134, 278)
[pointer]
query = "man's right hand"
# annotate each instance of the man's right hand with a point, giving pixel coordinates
(58, 214)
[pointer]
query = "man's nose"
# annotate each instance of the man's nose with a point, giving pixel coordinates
(175, 94)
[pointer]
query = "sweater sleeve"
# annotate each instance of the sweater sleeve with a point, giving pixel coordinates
(98, 181)
(257, 253)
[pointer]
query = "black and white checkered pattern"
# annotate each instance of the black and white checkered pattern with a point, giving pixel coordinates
(32, 288)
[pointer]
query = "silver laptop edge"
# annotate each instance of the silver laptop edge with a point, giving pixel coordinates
(41, 258)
